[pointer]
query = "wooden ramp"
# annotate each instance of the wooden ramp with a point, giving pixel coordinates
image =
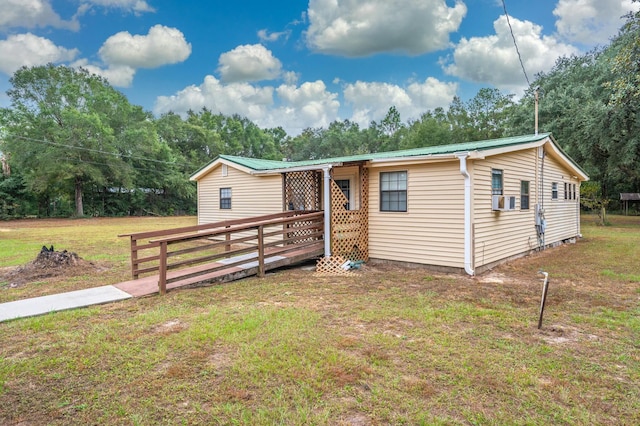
(147, 286)
(227, 250)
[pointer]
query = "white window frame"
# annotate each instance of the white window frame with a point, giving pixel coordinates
(398, 190)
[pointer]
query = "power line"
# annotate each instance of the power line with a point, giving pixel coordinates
(115, 154)
(504, 6)
(138, 169)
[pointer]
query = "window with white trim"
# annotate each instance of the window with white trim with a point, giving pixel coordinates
(554, 190)
(497, 187)
(345, 187)
(393, 191)
(524, 195)
(225, 198)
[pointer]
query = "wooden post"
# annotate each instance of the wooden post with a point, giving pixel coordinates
(261, 251)
(134, 258)
(162, 278)
(227, 237)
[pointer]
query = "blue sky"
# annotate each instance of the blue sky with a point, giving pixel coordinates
(300, 64)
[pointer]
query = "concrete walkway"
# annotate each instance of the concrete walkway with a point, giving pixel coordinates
(60, 302)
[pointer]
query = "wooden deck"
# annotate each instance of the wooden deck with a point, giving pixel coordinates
(251, 247)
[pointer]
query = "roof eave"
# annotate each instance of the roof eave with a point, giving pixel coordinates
(580, 174)
(474, 155)
(304, 168)
(213, 164)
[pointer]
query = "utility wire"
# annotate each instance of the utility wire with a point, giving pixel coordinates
(115, 154)
(504, 6)
(138, 169)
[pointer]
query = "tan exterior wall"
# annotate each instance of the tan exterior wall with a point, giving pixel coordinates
(250, 195)
(562, 216)
(503, 234)
(431, 231)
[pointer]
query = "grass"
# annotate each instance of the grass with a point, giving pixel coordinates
(389, 346)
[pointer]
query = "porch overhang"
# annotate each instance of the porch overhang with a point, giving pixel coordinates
(314, 167)
(428, 158)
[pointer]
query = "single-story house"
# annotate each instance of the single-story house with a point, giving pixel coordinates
(462, 207)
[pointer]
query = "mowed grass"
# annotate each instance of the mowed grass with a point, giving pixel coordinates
(388, 346)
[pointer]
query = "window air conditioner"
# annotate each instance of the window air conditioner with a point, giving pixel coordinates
(497, 202)
(503, 202)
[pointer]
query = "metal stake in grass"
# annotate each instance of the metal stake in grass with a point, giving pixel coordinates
(545, 288)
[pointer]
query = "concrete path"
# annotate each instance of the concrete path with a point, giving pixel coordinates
(60, 302)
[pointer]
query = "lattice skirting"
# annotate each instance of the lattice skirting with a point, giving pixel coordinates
(332, 265)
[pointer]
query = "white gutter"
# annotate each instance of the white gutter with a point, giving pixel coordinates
(327, 211)
(468, 241)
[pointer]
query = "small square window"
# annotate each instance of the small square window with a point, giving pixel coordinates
(554, 190)
(524, 195)
(393, 191)
(496, 182)
(225, 198)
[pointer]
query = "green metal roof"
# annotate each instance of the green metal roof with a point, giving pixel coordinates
(264, 165)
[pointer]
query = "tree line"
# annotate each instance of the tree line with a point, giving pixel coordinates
(73, 145)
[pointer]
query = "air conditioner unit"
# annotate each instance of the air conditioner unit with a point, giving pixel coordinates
(509, 202)
(503, 202)
(497, 202)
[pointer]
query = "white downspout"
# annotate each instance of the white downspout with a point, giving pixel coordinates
(468, 241)
(327, 211)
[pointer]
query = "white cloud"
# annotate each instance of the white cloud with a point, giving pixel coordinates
(135, 6)
(366, 27)
(372, 100)
(591, 22)
(266, 36)
(431, 94)
(309, 105)
(291, 78)
(117, 75)
(32, 14)
(238, 98)
(295, 107)
(250, 62)
(494, 60)
(30, 50)
(161, 46)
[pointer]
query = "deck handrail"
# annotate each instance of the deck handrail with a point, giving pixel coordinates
(291, 231)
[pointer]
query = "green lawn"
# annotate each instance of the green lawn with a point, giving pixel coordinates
(388, 346)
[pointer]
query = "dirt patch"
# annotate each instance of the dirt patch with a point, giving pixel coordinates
(49, 263)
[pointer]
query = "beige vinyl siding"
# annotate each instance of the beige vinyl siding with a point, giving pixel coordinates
(562, 215)
(499, 235)
(250, 195)
(431, 231)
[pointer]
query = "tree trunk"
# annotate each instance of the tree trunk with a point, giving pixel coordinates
(79, 206)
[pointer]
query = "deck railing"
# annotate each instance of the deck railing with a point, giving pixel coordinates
(206, 245)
